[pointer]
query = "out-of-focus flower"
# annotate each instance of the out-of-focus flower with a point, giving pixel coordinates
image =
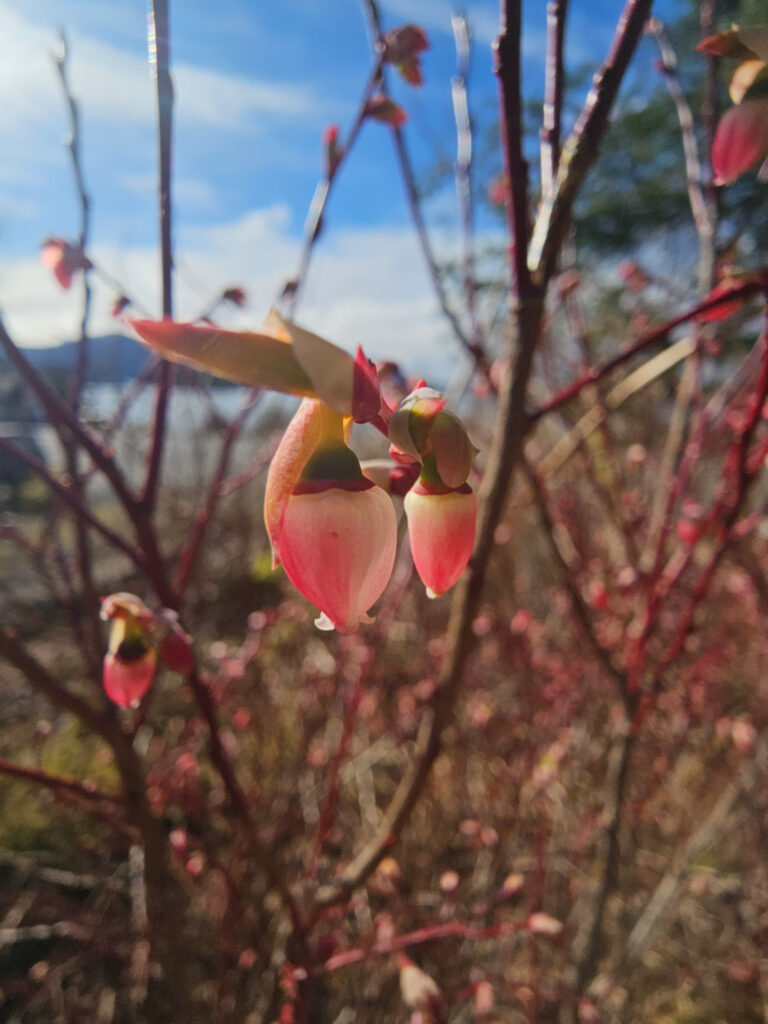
(130, 662)
(419, 991)
(498, 191)
(632, 276)
(740, 141)
(401, 46)
(64, 259)
(332, 529)
(382, 108)
(441, 528)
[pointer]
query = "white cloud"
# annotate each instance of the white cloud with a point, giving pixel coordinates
(366, 286)
(114, 86)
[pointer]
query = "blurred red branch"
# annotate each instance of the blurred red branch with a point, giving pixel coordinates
(742, 291)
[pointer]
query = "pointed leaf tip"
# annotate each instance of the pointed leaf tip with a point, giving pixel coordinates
(245, 357)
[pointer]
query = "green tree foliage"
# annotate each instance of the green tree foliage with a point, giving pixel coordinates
(638, 187)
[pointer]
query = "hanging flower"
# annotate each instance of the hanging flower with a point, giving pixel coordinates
(130, 662)
(441, 529)
(333, 530)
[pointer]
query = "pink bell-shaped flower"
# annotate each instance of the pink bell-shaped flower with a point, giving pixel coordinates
(128, 673)
(441, 528)
(338, 549)
(130, 663)
(333, 530)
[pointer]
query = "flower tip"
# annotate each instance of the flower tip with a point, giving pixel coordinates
(433, 595)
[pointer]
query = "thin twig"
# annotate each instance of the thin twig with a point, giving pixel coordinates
(742, 291)
(472, 347)
(581, 148)
(84, 791)
(159, 56)
(557, 12)
(314, 221)
(463, 170)
(702, 219)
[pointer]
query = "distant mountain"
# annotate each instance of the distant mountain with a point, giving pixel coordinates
(113, 358)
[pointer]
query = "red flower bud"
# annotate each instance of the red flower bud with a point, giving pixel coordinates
(129, 665)
(382, 108)
(332, 148)
(441, 527)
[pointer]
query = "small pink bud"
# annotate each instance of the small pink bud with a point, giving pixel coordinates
(449, 881)
(688, 531)
(383, 109)
(498, 191)
(176, 651)
(740, 141)
(441, 527)
(332, 149)
(543, 924)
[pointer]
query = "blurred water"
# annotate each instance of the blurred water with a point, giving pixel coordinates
(193, 440)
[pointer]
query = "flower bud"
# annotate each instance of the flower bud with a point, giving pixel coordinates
(441, 528)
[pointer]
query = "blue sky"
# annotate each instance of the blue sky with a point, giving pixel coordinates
(256, 84)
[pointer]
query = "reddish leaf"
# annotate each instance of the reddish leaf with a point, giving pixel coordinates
(381, 108)
(741, 140)
(366, 396)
